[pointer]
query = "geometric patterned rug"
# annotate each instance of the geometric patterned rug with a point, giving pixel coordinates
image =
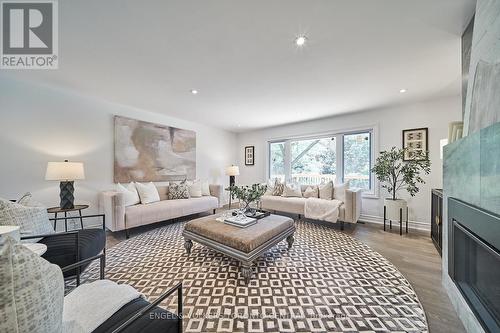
(327, 282)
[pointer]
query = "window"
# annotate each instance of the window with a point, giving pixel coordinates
(314, 160)
(277, 160)
(357, 159)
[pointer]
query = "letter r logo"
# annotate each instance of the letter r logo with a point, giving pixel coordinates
(27, 27)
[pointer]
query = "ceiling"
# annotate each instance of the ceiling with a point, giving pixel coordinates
(241, 56)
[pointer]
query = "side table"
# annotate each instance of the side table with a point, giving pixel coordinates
(76, 208)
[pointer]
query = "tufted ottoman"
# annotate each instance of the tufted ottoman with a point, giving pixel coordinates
(243, 244)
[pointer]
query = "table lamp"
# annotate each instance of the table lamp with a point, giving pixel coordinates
(232, 171)
(65, 172)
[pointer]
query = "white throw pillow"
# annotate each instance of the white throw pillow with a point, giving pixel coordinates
(32, 291)
(339, 191)
(291, 190)
(194, 188)
(130, 195)
(326, 191)
(270, 187)
(205, 188)
(311, 192)
(32, 221)
(147, 192)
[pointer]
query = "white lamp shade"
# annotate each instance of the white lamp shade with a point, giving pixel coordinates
(64, 171)
(232, 170)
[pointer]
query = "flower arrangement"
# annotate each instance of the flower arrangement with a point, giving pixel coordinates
(247, 194)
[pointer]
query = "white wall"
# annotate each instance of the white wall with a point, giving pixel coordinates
(434, 114)
(40, 124)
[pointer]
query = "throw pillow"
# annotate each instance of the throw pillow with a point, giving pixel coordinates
(205, 189)
(178, 191)
(27, 200)
(269, 187)
(311, 192)
(32, 292)
(278, 188)
(291, 190)
(147, 192)
(339, 192)
(32, 221)
(326, 191)
(194, 189)
(130, 195)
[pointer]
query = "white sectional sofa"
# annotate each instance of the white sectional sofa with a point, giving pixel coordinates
(349, 210)
(119, 217)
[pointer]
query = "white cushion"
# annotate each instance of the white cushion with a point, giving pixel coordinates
(291, 190)
(194, 189)
(311, 192)
(31, 291)
(32, 221)
(270, 187)
(147, 192)
(130, 195)
(326, 191)
(339, 191)
(205, 188)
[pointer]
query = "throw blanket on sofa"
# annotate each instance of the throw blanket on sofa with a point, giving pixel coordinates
(321, 209)
(91, 304)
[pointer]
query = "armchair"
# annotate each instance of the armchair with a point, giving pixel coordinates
(140, 315)
(67, 248)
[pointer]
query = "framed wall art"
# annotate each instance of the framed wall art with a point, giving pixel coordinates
(249, 155)
(416, 143)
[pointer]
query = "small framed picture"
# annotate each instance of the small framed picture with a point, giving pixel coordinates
(249, 155)
(416, 143)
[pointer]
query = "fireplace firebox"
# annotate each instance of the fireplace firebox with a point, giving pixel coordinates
(474, 259)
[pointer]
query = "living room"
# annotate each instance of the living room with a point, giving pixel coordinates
(250, 166)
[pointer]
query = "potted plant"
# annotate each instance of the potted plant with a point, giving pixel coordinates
(395, 174)
(247, 195)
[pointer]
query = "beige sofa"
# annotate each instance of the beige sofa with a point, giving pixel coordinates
(349, 210)
(119, 217)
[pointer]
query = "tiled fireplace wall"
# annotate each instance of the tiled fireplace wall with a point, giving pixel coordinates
(472, 174)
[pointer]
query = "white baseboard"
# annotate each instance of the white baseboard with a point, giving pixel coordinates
(424, 226)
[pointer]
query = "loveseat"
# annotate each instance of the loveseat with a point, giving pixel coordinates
(349, 210)
(119, 217)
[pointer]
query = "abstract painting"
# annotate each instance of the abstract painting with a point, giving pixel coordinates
(147, 152)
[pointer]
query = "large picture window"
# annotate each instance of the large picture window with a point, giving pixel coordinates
(314, 160)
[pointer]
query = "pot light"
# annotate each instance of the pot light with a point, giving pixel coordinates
(300, 40)
(194, 91)
(402, 91)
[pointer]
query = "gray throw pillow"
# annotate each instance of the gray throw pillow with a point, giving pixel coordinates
(32, 221)
(178, 191)
(31, 291)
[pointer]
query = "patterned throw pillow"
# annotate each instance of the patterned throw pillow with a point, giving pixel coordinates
(311, 192)
(32, 221)
(279, 187)
(178, 191)
(32, 292)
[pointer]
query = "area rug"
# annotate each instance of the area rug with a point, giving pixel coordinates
(327, 282)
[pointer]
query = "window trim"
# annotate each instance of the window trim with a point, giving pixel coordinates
(338, 134)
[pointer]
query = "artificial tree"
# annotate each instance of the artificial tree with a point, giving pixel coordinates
(395, 174)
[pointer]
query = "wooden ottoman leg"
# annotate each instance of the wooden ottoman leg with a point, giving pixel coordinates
(246, 271)
(188, 244)
(290, 241)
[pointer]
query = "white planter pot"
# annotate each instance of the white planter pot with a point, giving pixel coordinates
(393, 207)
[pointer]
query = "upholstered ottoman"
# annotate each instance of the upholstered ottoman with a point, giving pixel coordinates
(243, 244)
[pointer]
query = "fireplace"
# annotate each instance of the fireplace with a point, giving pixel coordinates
(474, 260)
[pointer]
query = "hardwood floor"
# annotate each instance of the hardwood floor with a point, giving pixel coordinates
(413, 254)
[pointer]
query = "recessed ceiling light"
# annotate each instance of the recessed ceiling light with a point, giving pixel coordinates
(402, 91)
(194, 91)
(300, 40)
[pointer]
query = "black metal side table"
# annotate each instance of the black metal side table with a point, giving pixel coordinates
(57, 210)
